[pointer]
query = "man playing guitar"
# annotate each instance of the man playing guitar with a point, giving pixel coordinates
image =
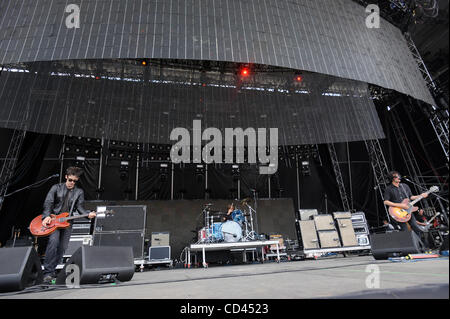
(64, 197)
(394, 196)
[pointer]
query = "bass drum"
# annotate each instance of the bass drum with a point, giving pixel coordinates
(231, 231)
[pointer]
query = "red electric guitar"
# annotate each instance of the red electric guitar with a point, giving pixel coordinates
(404, 215)
(58, 221)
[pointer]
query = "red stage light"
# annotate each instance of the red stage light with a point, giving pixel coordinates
(298, 78)
(245, 71)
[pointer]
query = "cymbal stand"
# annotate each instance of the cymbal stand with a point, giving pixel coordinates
(252, 234)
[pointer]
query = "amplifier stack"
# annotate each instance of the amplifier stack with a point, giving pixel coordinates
(337, 232)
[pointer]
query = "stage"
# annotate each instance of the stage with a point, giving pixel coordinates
(330, 277)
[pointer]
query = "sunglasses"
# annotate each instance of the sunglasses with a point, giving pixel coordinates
(72, 180)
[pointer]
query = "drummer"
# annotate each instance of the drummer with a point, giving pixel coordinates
(228, 216)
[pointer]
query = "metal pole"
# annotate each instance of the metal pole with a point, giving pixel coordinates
(206, 181)
(268, 182)
(298, 184)
(171, 182)
(350, 177)
(137, 178)
(100, 169)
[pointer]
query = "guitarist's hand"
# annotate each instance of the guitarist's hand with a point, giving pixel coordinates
(403, 206)
(46, 221)
(424, 195)
(92, 215)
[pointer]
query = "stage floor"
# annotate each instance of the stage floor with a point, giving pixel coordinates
(337, 277)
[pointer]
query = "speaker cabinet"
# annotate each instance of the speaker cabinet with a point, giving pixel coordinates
(135, 240)
(308, 234)
(20, 268)
(100, 265)
(324, 222)
(395, 244)
(329, 239)
(346, 231)
(125, 218)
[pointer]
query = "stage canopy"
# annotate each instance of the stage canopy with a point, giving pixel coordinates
(125, 100)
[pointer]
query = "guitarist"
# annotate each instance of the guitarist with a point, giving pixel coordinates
(395, 193)
(64, 197)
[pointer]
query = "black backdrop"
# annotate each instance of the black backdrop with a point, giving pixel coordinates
(318, 190)
(40, 158)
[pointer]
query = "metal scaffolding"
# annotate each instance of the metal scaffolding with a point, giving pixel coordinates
(339, 179)
(379, 167)
(438, 115)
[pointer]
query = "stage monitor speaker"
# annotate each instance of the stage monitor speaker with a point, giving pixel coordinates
(100, 265)
(444, 246)
(20, 268)
(125, 218)
(395, 244)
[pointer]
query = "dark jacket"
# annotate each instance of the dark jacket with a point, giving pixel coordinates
(54, 201)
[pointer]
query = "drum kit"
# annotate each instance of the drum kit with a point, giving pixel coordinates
(218, 227)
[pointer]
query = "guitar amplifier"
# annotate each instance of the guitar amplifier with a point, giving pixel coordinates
(124, 218)
(360, 228)
(122, 239)
(160, 239)
(75, 242)
(82, 226)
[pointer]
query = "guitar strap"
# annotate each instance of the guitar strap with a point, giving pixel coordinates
(404, 191)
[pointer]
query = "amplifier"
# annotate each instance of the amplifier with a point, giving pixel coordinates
(81, 227)
(75, 242)
(122, 239)
(361, 229)
(124, 218)
(359, 218)
(160, 239)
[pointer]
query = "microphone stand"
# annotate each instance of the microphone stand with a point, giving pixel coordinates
(445, 213)
(28, 187)
(425, 189)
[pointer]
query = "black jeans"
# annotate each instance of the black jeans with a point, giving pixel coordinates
(56, 246)
(423, 237)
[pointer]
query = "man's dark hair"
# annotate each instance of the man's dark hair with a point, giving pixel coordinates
(391, 175)
(74, 171)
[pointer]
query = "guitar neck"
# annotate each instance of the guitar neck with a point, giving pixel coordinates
(76, 217)
(418, 199)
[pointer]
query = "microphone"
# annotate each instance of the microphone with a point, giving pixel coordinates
(55, 175)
